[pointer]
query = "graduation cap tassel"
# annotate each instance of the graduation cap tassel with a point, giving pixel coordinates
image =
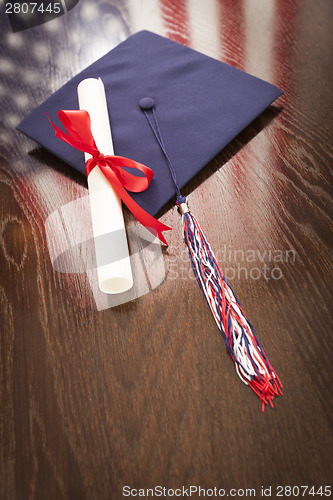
(251, 363)
(250, 360)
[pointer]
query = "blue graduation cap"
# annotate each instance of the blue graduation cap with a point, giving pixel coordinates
(202, 104)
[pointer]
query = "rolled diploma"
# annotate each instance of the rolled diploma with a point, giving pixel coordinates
(106, 211)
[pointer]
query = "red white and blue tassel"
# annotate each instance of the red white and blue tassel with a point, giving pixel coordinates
(250, 360)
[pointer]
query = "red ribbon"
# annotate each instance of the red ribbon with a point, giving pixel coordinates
(78, 125)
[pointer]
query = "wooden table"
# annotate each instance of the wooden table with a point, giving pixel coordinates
(144, 394)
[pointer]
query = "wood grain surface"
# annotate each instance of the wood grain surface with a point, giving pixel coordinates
(144, 394)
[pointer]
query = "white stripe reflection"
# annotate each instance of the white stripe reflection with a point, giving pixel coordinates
(204, 26)
(146, 15)
(259, 37)
(259, 16)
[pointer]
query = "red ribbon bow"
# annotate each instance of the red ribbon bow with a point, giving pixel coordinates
(78, 125)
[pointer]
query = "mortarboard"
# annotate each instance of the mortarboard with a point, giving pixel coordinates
(174, 109)
(202, 104)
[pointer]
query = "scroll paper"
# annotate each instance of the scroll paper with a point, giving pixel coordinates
(114, 276)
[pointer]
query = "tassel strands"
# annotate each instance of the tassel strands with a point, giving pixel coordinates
(250, 360)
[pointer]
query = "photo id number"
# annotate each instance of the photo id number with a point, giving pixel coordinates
(32, 7)
(301, 491)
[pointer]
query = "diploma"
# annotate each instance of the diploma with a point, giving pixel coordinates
(114, 273)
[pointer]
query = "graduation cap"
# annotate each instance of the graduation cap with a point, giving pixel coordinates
(174, 109)
(201, 103)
